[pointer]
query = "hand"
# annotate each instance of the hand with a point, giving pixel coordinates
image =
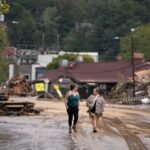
(66, 107)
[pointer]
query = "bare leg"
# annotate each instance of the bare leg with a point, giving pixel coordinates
(94, 123)
(93, 119)
(97, 121)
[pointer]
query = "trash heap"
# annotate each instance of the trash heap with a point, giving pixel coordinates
(3, 93)
(125, 89)
(18, 85)
(17, 108)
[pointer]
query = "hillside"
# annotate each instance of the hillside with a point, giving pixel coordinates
(81, 25)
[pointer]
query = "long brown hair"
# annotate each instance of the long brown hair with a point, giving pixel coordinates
(72, 86)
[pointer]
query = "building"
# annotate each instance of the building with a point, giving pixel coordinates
(94, 55)
(45, 58)
(31, 63)
(26, 64)
(102, 74)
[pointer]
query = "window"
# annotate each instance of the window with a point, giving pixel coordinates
(27, 76)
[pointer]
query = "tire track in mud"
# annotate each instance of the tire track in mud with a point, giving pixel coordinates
(85, 139)
(34, 144)
(81, 140)
(111, 127)
(134, 143)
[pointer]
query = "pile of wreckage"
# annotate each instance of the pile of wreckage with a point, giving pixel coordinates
(17, 108)
(124, 90)
(16, 86)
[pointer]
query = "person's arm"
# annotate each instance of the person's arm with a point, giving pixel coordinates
(88, 101)
(78, 101)
(103, 103)
(66, 99)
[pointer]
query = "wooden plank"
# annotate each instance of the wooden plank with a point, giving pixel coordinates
(14, 106)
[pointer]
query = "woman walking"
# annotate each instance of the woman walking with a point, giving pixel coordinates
(95, 104)
(72, 106)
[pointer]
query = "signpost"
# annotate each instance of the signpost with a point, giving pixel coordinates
(56, 87)
(39, 87)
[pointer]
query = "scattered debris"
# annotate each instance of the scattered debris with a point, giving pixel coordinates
(17, 108)
(3, 93)
(145, 101)
(124, 90)
(18, 86)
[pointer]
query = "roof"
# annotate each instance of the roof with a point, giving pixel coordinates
(100, 72)
(9, 51)
(139, 55)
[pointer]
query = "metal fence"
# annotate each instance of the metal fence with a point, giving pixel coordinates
(133, 100)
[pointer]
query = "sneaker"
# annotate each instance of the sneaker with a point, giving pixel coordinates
(70, 130)
(94, 130)
(74, 128)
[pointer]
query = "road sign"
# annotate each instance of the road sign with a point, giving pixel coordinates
(39, 87)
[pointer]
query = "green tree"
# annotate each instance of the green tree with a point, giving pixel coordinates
(83, 25)
(141, 38)
(50, 26)
(71, 59)
(3, 37)
(24, 31)
(3, 61)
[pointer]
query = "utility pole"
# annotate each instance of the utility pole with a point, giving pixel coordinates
(132, 62)
(43, 36)
(58, 42)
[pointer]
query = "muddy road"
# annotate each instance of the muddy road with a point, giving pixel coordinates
(121, 128)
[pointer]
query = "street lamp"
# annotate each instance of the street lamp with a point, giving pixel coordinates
(116, 38)
(15, 22)
(116, 45)
(43, 35)
(132, 62)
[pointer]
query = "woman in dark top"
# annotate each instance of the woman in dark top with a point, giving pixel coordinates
(72, 106)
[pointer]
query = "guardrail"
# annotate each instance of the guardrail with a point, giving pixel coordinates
(133, 100)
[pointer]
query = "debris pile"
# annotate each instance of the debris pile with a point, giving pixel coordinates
(17, 108)
(125, 89)
(18, 86)
(3, 93)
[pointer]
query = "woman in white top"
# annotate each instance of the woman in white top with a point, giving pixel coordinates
(95, 103)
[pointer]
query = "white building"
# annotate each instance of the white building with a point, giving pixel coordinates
(44, 60)
(33, 65)
(94, 55)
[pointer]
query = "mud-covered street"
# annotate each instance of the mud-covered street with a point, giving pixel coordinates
(121, 128)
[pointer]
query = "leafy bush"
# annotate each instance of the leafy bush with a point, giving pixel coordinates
(71, 59)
